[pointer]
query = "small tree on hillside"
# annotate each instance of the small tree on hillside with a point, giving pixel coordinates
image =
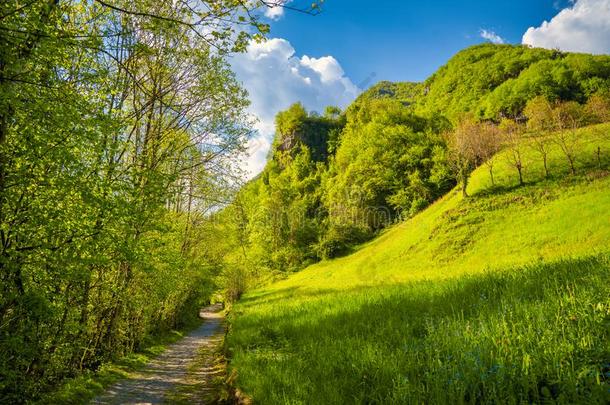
(486, 140)
(568, 117)
(539, 113)
(513, 139)
(332, 112)
(462, 151)
(598, 110)
(598, 107)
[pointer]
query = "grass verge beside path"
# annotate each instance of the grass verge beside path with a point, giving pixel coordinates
(535, 334)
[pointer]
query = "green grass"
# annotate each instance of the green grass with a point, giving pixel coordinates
(503, 297)
(86, 386)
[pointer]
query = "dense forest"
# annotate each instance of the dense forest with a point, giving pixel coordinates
(120, 123)
(333, 181)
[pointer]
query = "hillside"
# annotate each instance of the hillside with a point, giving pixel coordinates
(497, 80)
(390, 150)
(500, 297)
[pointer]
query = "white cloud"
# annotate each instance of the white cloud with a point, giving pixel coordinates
(276, 78)
(327, 66)
(275, 13)
(491, 36)
(583, 27)
(275, 9)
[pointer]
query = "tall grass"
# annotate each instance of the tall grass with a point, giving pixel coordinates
(529, 334)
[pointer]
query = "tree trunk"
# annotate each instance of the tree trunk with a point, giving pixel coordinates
(546, 168)
(571, 160)
(4, 120)
(599, 157)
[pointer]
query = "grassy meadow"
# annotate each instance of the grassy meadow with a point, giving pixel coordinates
(502, 297)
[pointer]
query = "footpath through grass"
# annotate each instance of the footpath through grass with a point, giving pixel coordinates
(500, 298)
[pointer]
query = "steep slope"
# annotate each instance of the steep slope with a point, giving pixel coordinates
(502, 297)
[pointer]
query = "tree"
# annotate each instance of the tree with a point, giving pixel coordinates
(598, 109)
(332, 112)
(567, 117)
(385, 165)
(539, 113)
(486, 140)
(513, 140)
(119, 125)
(462, 146)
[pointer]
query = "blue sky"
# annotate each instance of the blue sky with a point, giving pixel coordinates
(406, 40)
(330, 58)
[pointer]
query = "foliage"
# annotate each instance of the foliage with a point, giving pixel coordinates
(334, 181)
(404, 92)
(495, 81)
(515, 145)
(389, 164)
(119, 122)
(296, 128)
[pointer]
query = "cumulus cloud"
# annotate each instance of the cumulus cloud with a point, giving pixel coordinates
(491, 36)
(275, 9)
(274, 12)
(583, 27)
(275, 78)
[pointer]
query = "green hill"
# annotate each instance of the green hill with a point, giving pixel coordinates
(389, 150)
(498, 80)
(502, 297)
(492, 80)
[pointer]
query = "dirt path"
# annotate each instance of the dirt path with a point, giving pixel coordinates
(184, 373)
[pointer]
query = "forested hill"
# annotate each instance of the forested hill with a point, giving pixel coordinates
(492, 81)
(334, 180)
(405, 92)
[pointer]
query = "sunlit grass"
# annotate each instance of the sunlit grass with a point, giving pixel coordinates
(503, 297)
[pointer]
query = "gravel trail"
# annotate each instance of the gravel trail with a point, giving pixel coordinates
(183, 373)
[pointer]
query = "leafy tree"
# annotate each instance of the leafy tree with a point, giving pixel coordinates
(332, 112)
(598, 107)
(119, 123)
(296, 127)
(384, 168)
(487, 141)
(598, 111)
